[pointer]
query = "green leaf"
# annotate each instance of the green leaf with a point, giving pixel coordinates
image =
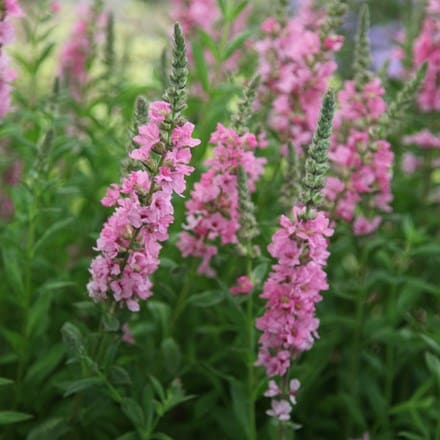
(161, 436)
(240, 404)
(235, 11)
(222, 4)
(200, 65)
(5, 381)
(80, 385)
(133, 411)
(158, 388)
(433, 363)
(237, 43)
(45, 364)
(73, 339)
(9, 417)
(52, 230)
(210, 43)
(207, 299)
(39, 316)
(119, 376)
(43, 56)
(52, 429)
(110, 322)
(171, 354)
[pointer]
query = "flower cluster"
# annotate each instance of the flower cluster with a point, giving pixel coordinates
(292, 290)
(427, 49)
(205, 15)
(8, 9)
(213, 210)
(129, 243)
(360, 183)
(295, 64)
(76, 52)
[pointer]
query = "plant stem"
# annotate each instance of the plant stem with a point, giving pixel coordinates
(356, 349)
(251, 346)
(183, 295)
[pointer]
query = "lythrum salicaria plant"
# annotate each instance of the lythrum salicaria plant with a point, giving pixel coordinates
(156, 287)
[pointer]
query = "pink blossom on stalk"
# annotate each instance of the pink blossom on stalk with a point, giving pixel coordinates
(410, 163)
(129, 243)
(205, 15)
(212, 211)
(244, 285)
(295, 65)
(77, 50)
(281, 409)
(127, 336)
(424, 139)
(427, 49)
(293, 288)
(359, 184)
(289, 324)
(7, 75)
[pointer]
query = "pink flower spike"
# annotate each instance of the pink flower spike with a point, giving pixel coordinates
(243, 286)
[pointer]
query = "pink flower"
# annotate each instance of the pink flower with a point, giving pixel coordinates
(295, 65)
(427, 49)
(243, 286)
(148, 137)
(364, 226)
(360, 176)
(212, 210)
(292, 289)
(410, 163)
(273, 389)
(13, 8)
(281, 409)
(127, 336)
(77, 51)
(129, 243)
(55, 7)
(158, 111)
(424, 139)
(294, 386)
(7, 75)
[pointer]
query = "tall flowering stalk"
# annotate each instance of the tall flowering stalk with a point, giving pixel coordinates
(206, 16)
(77, 51)
(129, 243)
(289, 324)
(426, 49)
(213, 210)
(8, 9)
(360, 184)
(296, 61)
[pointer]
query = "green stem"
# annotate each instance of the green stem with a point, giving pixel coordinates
(182, 298)
(356, 350)
(251, 348)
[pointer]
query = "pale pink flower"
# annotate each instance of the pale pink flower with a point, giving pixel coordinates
(410, 163)
(127, 336)
(281, 409)
(244, 285)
